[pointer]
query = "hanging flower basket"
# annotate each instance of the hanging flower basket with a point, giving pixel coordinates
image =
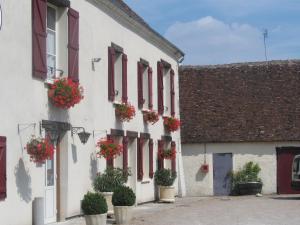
(40, 149)
(65, 93)
(108, 149)
(167, 153)
(204, 168)
(124, 111)
(171, 124)
(150, 116)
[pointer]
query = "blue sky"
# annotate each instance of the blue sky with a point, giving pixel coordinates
(226, 31)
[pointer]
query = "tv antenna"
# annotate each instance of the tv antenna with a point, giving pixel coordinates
(266, 35)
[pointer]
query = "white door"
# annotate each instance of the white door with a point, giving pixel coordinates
(50, 190)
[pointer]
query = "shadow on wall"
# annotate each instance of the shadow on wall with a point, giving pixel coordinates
(200, 175)
(23, 181)
(93, 167)
(74, 153)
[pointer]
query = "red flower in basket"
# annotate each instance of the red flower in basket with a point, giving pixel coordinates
(108, 149)
(171, 123)
(167, 153)
(65, 93)
(150, 116)
(124, 111)
(40, 149)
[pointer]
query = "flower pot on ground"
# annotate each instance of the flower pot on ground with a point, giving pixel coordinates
(171, 124)
(108, 149)
(123, 200)
(150, 116)
(65, 93)
(94, 208)
(108, 181)
(246, 181)
(165, 178)
(40, 149)
(124, 111)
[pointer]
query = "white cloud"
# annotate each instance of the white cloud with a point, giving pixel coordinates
(211, 41)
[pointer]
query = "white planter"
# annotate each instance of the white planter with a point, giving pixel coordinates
(123, 214)
(166, 194)
(108, 198)
(99, 219)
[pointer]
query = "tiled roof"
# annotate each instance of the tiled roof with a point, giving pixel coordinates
(243, 102)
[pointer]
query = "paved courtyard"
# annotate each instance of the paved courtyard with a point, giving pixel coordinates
(248, 210)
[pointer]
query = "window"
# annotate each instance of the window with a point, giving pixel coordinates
(144, 85)
(117, 74)
(167, 99)
(51, 42)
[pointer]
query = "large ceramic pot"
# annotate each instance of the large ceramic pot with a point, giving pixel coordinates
(110, 207)
(123, 214)
(249, 188)
(166, 194)
(99, 219)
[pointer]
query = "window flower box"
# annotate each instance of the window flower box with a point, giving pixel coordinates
(108, 149)
(171, 124)
(124, 111)
(167, 153)
(65, 93)
(40, 149)
(150, 116)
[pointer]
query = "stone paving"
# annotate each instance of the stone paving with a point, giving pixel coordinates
(247, 210)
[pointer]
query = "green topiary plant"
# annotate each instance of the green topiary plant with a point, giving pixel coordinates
(111, 179)
(165, 177)
(93, 204)
(123, 196)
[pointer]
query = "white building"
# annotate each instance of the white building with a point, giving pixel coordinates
(99, 43)
(236, 113)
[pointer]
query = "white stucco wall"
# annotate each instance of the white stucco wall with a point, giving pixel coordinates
(24, 100)
(264, 153)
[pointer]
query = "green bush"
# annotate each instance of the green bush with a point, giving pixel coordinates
(93, 204)
(249, 173)
(165, 177)
(111, 179)
(123, 196)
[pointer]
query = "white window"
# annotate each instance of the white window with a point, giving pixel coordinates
(145, 88)
(51, 42)
(167, 98)
(146, 159)
(118, 77)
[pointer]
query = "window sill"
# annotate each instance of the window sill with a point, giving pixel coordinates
(146, 181)
(49, 81)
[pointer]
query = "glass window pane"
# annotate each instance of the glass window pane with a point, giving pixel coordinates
(51, 66)
(51, 17)
(50, 172)
(51, 42)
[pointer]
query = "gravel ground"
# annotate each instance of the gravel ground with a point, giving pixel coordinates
(248, 210)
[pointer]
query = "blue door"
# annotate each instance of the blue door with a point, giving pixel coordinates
(222, 166)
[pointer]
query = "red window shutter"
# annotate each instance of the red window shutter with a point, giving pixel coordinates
(151, 158)
(73, 44)
(159, 159)
(140, 85)
(2, 168)
(150, 88)
(39, 38)
(160, 88)
(109, 162)
(173, 163)
(125, 153)
(111, 74)
(140, 171)
(124, 78)
(172, 92)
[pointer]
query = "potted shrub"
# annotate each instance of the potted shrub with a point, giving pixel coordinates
(246, 180)
(65, 93)
(108, 181)
(171, 124)
(124, 111)
(150, 116)
(165, 178)
(123, 200)
(108, 149)
(94, 208)
(40, 149)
